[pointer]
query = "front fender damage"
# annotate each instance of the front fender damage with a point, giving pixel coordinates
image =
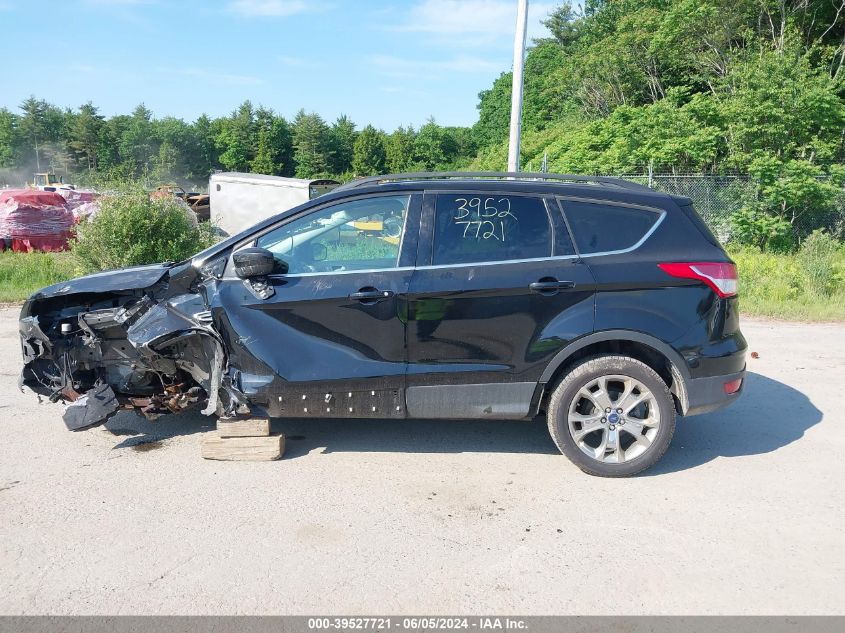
(181, 329)
(136, 350)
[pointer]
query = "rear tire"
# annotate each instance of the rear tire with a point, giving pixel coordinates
(612, 416)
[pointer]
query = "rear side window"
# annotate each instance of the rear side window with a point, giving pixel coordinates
(601, 228)
(486, 228)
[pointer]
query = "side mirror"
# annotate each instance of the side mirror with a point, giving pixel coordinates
(256, 262)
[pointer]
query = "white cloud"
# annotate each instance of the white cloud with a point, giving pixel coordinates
(402, 67)
(275, 8)
(474, 22)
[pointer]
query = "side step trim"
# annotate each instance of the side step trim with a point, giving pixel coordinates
(499, 401)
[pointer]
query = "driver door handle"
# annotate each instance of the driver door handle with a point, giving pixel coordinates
(550, 286)
(371, 295)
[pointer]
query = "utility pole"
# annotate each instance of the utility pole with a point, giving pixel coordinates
(516, 92)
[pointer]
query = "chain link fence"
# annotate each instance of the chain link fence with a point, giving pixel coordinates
(717, 198)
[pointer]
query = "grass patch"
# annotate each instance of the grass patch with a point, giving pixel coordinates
(21, 274)
(807, 286)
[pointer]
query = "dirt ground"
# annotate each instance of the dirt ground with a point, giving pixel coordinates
(744, 514)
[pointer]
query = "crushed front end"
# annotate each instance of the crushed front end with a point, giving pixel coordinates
(138, 339)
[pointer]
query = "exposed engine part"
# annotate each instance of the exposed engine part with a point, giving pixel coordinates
(175, 399)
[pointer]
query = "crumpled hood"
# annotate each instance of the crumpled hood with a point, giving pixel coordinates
(133, 278)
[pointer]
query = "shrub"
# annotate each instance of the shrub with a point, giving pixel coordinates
(818, 258)
(752, 227)
(131, 229)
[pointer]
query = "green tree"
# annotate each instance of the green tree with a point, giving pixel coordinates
(273, 149)
(165, 165)
(434, 147)
(236, 139)
(108, 154)
(263, 161)
(84, 136)
(281, 143)
(399, 150)
(342, 143)
(204, 157)
(369, 152)
(564, 24)
(312, 151)
(136, 143)
(494, 112)
(33, 126)
(9, 142)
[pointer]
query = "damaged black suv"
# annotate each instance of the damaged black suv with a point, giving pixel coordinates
(606, 305)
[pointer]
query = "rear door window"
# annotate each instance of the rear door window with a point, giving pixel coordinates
(603, 228)
(472, 227)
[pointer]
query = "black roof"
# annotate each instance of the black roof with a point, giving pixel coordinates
(604, 181)
(601, 187)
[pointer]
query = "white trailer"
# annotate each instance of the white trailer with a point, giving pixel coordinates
(240, 200)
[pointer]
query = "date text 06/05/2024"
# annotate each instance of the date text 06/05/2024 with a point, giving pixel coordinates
(416, 623)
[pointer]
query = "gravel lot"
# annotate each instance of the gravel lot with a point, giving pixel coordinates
(743, 515)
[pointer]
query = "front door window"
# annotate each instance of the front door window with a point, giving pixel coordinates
(362, 234)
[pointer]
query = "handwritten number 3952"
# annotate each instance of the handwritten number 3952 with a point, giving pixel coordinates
(472, 214)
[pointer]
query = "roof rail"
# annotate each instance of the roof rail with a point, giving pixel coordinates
(605, 181)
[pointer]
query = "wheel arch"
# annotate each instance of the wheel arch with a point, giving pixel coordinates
(658, 355)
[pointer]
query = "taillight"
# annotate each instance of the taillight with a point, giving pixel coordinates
(720, 276)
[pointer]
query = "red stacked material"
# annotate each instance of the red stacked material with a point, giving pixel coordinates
(76, 197)
(34, 220)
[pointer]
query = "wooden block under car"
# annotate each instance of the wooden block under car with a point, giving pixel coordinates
(246, 449)
(252, 427)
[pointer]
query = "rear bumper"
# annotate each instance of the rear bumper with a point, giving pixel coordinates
(708, 394)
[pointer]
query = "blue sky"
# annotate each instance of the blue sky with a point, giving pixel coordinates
(386, 63)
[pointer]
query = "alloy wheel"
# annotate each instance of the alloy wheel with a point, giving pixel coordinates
(613, 419)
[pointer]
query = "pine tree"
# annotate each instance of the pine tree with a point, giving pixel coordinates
(263, 161)
(433, 146)
(136, 141)
(33, 126)
(84, 138)
(8, 139)
(369, 155)
(312, 153)
(236, 139)
(342, 142)
(399, 150)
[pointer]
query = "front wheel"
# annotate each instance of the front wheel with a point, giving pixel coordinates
(613, 416)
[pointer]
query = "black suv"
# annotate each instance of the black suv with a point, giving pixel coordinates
(606, 305)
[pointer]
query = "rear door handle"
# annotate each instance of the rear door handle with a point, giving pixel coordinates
(371, 295)
(550, 286)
